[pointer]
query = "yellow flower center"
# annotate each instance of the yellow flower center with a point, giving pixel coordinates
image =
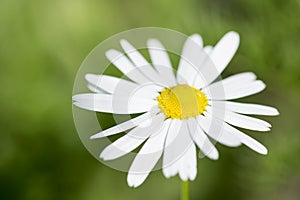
(182, 102)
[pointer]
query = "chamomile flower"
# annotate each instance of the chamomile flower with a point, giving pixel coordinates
(177, 112)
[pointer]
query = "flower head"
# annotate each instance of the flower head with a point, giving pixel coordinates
(179, 112)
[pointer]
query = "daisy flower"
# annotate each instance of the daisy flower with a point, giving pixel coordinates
(177, 112)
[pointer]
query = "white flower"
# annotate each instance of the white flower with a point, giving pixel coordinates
(179, 112)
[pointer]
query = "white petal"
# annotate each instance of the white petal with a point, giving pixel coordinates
(188, 164)
(213, 127)
(125, 66)
(247, 108)
(117, 86)
(239, 120)
(233, 82)
(113, 104)
(248, 90)
(219, 89)
(133, 54)
(241, 78)
(208, 49)
(202, 141)
(146, 117)
(225, 50)
(191, 59)
(132, 139)
(246, 122)
(140, 62)
(248, 141)
(94, 89)
(146, 91)
(148, 156)
(180, 153)
(197, 39)
(110, 83)
(171, 151)
(161, 61)
(220, 56)
(234, 87)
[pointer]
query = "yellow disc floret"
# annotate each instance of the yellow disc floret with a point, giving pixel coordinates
(182, 102)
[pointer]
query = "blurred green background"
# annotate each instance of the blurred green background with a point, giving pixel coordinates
(42, 46)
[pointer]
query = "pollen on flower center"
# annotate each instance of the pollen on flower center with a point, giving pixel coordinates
(182, 102)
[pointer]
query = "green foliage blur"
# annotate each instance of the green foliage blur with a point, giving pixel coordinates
(42, 46)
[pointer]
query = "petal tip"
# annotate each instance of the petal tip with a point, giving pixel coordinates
(234, 35)
(126, 45)
(88, 76)
(134, 181)
(74, 99)
(111, 54)
(150, 41)
(103, 156)
(276, 112)
(264, 151)
(215, 156)
(197, 39)
(94, 137)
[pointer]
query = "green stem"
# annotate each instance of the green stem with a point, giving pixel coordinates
(185, 190)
